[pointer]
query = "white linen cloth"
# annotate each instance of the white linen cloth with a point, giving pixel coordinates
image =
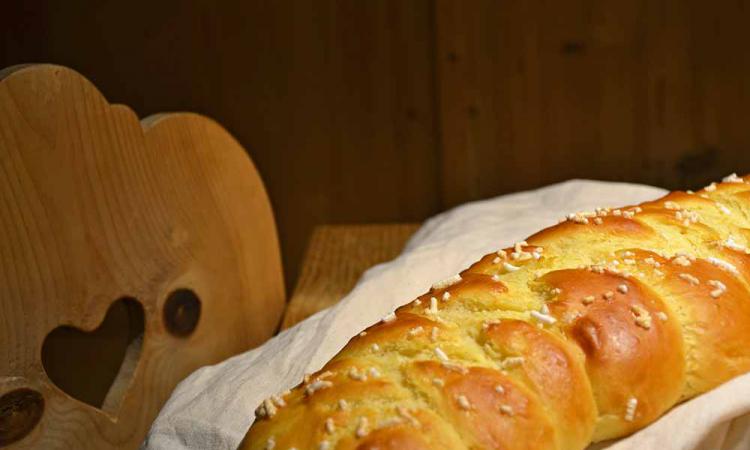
(214, 407)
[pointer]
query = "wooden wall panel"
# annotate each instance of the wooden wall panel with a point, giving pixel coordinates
(538, 91)
(333, 99)
(378, 111)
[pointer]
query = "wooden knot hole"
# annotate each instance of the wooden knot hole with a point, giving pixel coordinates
(182, 311)
(20, 412)
(573, 47)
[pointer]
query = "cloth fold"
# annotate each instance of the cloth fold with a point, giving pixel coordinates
(214, 407)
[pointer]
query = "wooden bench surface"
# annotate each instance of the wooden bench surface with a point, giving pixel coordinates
(337, 256)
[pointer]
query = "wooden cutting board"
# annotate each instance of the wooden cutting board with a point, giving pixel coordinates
(131, 253)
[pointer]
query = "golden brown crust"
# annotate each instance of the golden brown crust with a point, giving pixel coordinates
(402, 436)
(625, 357)
(393, 439)
(716, 332)
(612, 225)
(485, 416)
(554, 372)
(588, 331)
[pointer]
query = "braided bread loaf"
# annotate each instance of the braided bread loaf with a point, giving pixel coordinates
(589, 331)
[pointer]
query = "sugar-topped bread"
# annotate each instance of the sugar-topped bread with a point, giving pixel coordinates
(588, 330)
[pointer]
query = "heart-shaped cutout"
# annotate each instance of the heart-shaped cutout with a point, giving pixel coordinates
(96, 367)
(97, 202)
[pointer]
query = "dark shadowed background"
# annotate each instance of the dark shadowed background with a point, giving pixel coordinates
(390, 111)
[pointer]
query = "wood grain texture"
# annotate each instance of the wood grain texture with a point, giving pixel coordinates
(333, 99)
(336, 258)
(537, 92)
(96, 206)
(390, 111)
